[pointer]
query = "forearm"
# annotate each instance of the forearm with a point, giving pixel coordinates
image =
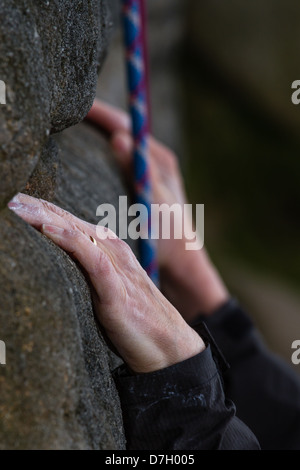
(194, 285)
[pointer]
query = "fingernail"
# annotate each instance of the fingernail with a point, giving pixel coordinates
(16, 197)
(52, 230)
(23, 208)
(15, 206)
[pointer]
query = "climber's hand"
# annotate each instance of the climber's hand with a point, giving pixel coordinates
(188, 278)
(145, 328)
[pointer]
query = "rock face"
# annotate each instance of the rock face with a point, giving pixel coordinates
(56, 390)
(50, 55)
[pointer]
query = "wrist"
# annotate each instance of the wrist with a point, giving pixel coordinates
(185, 345)
(177, 344)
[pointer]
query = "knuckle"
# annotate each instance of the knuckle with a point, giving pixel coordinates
(47, 205)
(74, 227)
(104, 233)
(111, 234)
(73, 235)
(56, 210)
(102, 265)
(125, 249)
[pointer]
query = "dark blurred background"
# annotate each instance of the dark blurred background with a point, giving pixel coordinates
(221, 75)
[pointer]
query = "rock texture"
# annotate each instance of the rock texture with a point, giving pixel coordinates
(56, 390)
(50, 55)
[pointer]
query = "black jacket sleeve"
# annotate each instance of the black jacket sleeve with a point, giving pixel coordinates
(182, 407)
(264, 388)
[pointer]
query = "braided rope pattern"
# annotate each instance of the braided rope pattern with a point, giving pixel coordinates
(133, 21)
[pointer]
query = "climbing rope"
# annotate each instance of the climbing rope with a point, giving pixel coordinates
(134, 25)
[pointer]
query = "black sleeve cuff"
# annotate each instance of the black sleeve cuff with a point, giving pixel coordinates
(232, 329)
(186, 375)
(192, 372)
(182, 407)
